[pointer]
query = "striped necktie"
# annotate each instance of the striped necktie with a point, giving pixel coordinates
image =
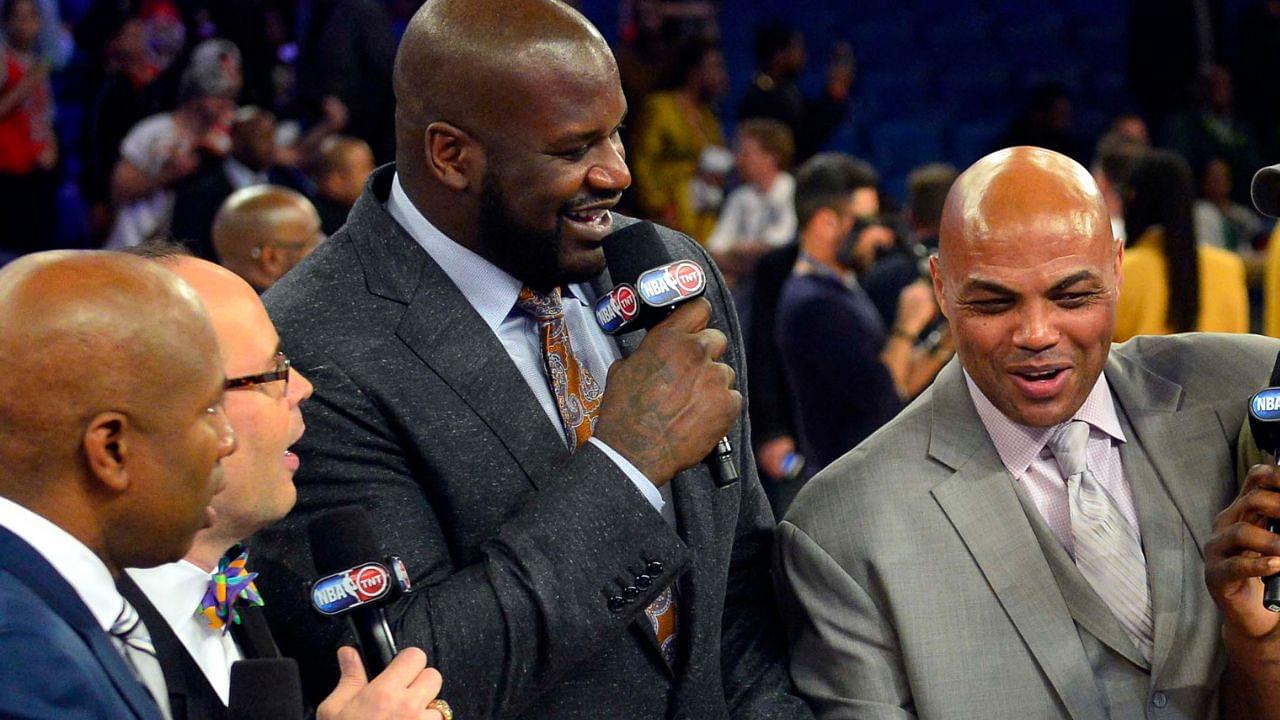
(578, 398)
(134, 643)
(1108, 551)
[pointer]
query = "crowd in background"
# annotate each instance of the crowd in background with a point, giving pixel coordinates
(245, 129)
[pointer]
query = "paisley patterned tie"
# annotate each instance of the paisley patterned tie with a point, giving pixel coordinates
(578, 399)
(577, 393)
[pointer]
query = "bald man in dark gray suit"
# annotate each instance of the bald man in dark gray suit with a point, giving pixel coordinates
(549, 562)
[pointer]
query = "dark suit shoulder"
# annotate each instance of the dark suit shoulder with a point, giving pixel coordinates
(46, 669)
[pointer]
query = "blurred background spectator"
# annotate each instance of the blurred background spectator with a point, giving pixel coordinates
(678, 160)
(28, 146)
(262, 231)
(252, 160)
(1171, 283)
(760, 213)
(114, 111)
(341, 167)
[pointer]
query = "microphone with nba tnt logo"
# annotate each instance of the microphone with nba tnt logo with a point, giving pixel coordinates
(1264, 424)
(355, 583)
(650, 285)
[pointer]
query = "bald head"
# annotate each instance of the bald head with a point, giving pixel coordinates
(1027, 274)
(460, 60)
(107, 357)
(262, 231)
(1022, 187)
(507, 133)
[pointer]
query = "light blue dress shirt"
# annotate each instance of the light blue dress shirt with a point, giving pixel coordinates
(493, 293)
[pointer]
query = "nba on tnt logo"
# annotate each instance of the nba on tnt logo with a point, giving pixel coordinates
(667, 285)
(340, 592)
(618, 307)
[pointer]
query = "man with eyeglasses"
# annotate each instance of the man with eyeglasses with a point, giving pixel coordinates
(262, 231)
(199, 631)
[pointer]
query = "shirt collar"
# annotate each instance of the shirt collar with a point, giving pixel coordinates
(1019, 445)
(74, 561)
(488, 288)
(175, 589)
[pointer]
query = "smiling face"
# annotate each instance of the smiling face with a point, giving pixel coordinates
(1028, 274)
(553, 172)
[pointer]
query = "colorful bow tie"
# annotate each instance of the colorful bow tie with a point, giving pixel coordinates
(230, 584)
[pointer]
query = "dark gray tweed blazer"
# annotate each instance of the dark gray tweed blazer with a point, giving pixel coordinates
(515, 546)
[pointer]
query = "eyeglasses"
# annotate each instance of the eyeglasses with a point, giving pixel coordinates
(279, 374)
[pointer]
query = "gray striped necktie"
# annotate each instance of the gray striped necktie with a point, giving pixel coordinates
(1108, 551)
(135, 645)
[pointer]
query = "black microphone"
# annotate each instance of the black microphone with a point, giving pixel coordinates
(265, 688)
(1264, 423)
(354, 582)
(650, 285)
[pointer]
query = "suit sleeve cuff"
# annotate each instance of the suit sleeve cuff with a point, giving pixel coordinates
(646, 488)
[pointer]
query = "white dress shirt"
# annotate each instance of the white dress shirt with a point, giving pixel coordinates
(175, 589)
(493, 294)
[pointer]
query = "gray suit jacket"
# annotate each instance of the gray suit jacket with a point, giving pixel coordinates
(917, 581)
(514, 544)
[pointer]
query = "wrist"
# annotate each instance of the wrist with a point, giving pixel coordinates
(898, 331)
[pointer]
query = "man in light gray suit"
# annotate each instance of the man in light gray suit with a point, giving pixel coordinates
(458, 371)
(1026, 539)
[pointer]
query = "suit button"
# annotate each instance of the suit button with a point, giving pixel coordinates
(630, 593)
(1159, 700)
(643, 582)
(654, 568)
(617, 603)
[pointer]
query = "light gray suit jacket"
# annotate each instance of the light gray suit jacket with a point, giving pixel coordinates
(916, 579)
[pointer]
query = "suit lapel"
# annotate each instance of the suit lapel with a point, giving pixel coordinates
(982, 505)
(1170, 512)
(442, 329)
(253, 635)
(190, 694)
(32, 570)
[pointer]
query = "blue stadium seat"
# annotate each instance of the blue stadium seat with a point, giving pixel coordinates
(972, 140)
(895, 94)
(966, 92)
(898, 147)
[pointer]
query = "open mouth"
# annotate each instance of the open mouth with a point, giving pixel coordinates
(1041, 383)
(599, 218)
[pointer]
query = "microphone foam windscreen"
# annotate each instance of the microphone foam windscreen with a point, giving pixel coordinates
(342, 539)
(265, 688)
(633, 250)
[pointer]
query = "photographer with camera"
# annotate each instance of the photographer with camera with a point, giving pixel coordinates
(849, 374)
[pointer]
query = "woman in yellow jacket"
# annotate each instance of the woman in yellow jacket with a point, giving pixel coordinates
(675, 128)
(1172, 284)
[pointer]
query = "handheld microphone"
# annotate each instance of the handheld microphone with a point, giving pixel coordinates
(650, 286)
(265, 688)
(1264, 423)
(354, 582)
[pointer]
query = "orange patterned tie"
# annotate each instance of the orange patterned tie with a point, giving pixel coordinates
(578, 400)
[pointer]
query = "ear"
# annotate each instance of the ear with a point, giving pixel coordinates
(106, 449)
(935, 274)
(453, 157)
(271, 261)
(1119, 263)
